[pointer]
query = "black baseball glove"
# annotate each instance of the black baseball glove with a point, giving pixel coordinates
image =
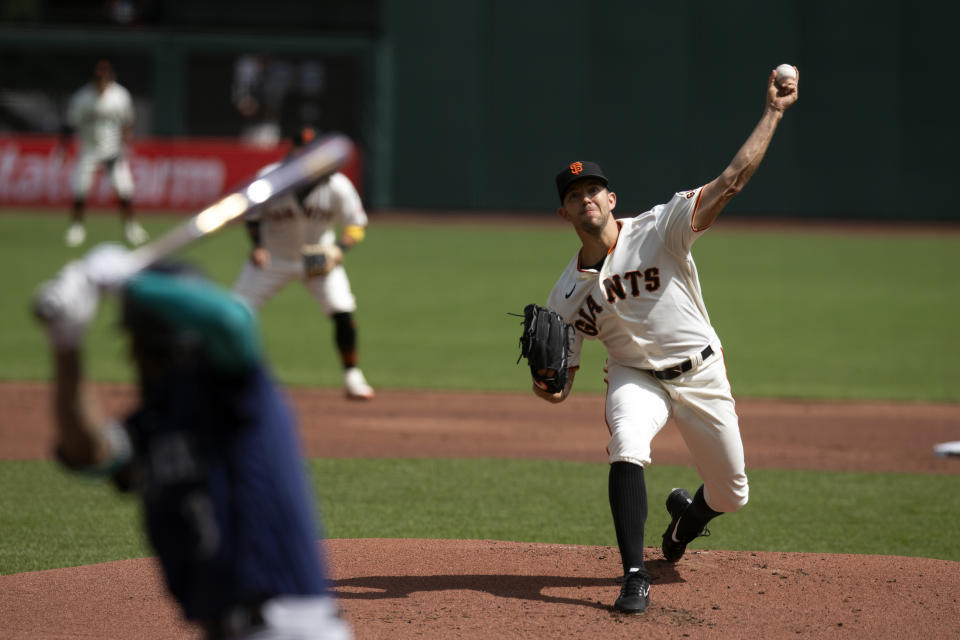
(545, 343)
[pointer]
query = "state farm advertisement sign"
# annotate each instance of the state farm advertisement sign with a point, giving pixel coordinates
(175, 174)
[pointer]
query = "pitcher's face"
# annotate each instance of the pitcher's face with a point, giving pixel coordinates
(588, 205)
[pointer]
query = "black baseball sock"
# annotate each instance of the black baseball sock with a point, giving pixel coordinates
(696, 517)
(628, 504)
(345, 335)
(78, 211)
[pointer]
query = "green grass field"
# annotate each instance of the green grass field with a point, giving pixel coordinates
(802, 315)
(50, 519)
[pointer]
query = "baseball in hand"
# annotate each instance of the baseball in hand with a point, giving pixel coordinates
(785, 72)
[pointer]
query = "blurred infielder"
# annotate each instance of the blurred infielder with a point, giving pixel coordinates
(634, 286)
(101, 113)
(294, 238)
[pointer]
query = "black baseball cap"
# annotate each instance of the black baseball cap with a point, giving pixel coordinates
(578, 170)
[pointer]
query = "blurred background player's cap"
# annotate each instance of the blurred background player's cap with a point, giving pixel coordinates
(304, 135)
(578, 170)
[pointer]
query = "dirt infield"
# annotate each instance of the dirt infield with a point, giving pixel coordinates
(493, 589)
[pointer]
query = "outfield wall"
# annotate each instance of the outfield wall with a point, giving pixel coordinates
(476, 104)
(494, 98)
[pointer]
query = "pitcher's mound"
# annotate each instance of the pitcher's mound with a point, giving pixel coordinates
(394, 589)
(491, 589)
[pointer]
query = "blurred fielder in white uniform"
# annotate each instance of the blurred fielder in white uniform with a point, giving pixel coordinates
(294, 225)
(634, 286)
(101, 114)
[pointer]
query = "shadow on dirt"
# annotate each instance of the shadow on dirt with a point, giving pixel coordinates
(505, 586)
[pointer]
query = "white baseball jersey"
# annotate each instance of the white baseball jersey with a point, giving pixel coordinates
(645, 303)
(100, 118)
(289, 223)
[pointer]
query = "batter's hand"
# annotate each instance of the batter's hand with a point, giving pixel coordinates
(109, 266)
(260, 257)
(782, 97)
(66, 305)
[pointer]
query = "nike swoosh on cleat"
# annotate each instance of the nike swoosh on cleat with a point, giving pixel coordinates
(673, 534)
(567, 295)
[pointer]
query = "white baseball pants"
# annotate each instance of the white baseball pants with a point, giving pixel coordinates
(332, 291)
(86, 167)
(638, 406)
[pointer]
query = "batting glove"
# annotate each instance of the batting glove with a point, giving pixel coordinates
(66, 305)
(109, 266)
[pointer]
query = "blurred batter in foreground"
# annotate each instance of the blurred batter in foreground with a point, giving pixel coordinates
(212, 450)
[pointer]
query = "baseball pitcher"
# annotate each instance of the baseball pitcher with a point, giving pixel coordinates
(633, 285)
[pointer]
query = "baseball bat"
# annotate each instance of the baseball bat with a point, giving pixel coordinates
(314, 161)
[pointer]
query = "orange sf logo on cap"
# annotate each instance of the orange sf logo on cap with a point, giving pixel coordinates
(576, 167)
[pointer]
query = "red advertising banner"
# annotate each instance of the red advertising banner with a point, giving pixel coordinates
(183, 174)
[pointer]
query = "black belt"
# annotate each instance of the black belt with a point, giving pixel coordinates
(683, 367)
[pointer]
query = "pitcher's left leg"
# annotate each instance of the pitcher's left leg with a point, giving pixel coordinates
(706, 417)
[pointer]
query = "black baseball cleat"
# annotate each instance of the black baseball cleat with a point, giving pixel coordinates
(634, 594)
(674, 545)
